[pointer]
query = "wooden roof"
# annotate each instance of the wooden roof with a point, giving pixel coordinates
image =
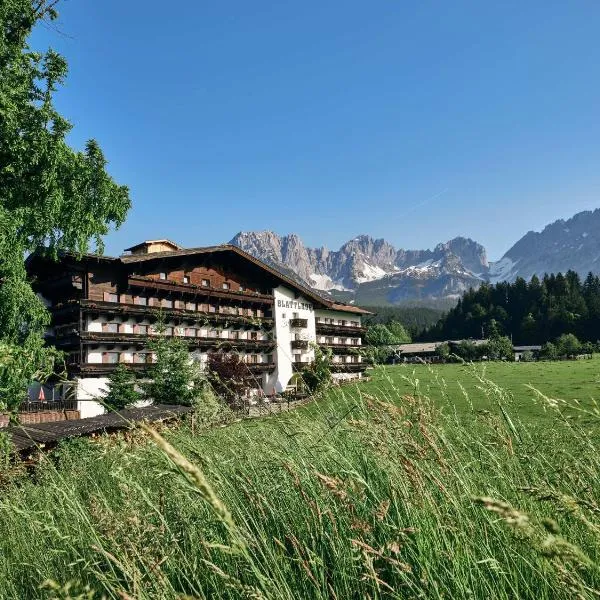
(223, 248)
(331, 304)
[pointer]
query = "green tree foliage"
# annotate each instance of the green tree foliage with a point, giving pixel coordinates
(381, 340)
(443, 351)
(531, 312)
(52, 198)
(568, 345)
(414, 319)
(500, 348)
(174, 378)
(549, 351)
(317, 375)
(121, 391)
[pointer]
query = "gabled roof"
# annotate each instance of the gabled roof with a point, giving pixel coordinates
(149, 242)
(309, 292)
(285, 279)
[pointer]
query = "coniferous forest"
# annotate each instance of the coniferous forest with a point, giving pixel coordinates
(531, 312)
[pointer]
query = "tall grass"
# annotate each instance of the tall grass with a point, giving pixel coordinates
(354, 496)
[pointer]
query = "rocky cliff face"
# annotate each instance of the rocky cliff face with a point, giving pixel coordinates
(372, 271)
(367, 266)
(572, 244)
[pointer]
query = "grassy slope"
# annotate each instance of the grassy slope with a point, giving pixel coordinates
(568, 380)
(350, 497)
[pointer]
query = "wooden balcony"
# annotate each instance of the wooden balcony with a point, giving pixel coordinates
(336, 328)
(349, 367)
(65, 312)
(142, 339)
(299, 323)
(190, 289)
(141, 368)
(300, 364)
(342, 348)
(300, 344)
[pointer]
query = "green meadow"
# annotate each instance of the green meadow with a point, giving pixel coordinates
(444, 482)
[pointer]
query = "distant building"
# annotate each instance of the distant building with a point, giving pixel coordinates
(520, 350)
(219, 299)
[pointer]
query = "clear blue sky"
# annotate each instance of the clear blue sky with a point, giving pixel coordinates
(412, 121)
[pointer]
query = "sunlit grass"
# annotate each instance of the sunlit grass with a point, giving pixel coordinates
(395, 488)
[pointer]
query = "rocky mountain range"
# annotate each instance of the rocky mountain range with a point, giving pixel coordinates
(373, 271)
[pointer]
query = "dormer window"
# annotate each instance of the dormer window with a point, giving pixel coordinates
(186, 279)
(162, 275)
(242, 288)
(226, 286)
(205, 283)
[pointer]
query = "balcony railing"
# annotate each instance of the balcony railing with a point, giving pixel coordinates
(323, 327)
(196, 290)
(300, 344)
(33, 406)
(122, 308)
(299, 323)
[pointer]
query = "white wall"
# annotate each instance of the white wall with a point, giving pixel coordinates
(88, 389)
(285, 305)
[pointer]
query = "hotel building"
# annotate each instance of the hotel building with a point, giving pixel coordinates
(218, 299)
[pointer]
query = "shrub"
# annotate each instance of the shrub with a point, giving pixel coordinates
(527, 356)
(229, 377)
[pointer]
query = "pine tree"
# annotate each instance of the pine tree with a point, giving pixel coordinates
(121, 391)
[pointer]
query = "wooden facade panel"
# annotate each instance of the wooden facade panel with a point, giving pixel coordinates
(101, 282)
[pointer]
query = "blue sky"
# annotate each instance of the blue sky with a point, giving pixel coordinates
(412, 121)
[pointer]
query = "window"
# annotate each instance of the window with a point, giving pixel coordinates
(141, 329)
(191, 306)
(242, 288)
(165, 303)
(235, 335)
(249, 312)
(186, 278)
(110, 297)
(226, 286)
(253, 335)
(168, 331)
(297, 358)
(329, 340)
(211, 309)
(190, 332)
(205, 283)
(140, 357)
(253, 358)
(162, 275)
(111, 358)
(110, 327)
(140, 301)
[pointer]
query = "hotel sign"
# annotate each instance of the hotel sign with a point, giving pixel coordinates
(294, 304)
